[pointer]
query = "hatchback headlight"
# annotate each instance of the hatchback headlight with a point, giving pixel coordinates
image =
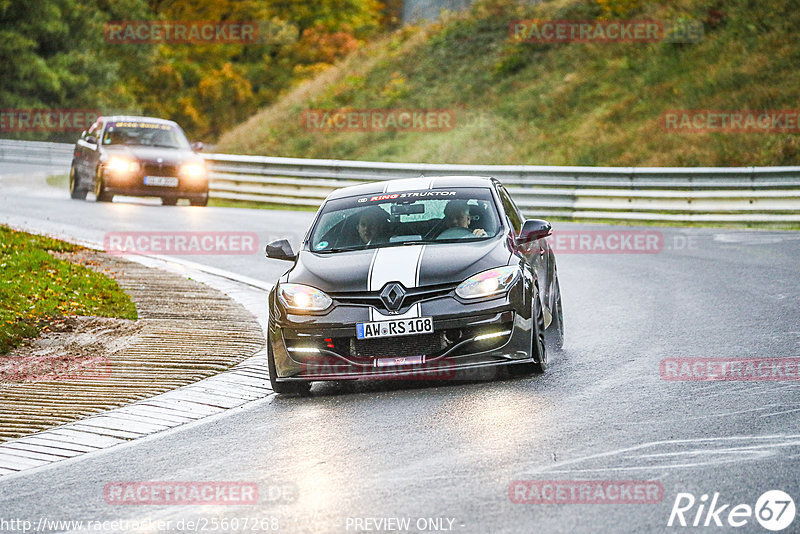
(297, 297)
(488, 283)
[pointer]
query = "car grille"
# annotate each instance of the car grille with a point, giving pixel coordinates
(427, 344)
(155, 169)
(413, 296)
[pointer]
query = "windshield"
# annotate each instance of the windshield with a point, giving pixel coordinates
(144, 134)
(391, 219)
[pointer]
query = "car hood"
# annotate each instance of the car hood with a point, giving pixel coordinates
(168, 156)
(411, 265)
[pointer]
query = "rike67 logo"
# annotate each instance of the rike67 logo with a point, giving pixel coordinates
(774, 510)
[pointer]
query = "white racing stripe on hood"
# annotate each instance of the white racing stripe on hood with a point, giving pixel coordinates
(412, 313)
(395, 264)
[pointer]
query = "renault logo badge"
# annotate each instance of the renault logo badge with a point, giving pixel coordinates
(393, 295)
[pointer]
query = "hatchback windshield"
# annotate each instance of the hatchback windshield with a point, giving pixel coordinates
(429, 216)
(144, 134)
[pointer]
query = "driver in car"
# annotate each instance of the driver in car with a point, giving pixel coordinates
(372, 226)
(457, 219)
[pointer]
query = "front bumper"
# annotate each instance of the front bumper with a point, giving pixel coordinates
(133, 185)
(331, 352)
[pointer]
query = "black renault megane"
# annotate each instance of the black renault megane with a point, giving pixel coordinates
(430, 277)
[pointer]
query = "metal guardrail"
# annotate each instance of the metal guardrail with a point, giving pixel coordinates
(677, 194)
(35, 152)
(735, 194)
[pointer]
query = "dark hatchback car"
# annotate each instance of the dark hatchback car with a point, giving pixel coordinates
(417, 278)
(138, 156)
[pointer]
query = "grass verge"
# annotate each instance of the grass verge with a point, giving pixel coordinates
(597, 104)
(37, 289)
(59, 180)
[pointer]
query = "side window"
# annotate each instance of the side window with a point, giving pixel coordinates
(511, 210)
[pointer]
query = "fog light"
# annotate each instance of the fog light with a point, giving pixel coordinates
(310, 350)
(483, 337)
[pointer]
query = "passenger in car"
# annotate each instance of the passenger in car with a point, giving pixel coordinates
(456, 215)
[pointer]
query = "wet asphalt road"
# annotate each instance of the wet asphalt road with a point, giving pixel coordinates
(443, 455)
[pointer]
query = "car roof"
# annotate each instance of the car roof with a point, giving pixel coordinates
(411, 184)
(123, 118)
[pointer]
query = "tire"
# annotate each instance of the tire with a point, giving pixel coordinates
(74, 191)
(169, 201)
(284, 388)
(554, 335)
(100, 195)
(199, 202)
(538, 347)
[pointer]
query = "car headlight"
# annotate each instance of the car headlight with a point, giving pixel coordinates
(297, 297)
(193, 171)
(488, 283)
(118, 164)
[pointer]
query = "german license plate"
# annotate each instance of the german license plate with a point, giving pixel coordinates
(394, 328)
(163, 181)
(403, 360)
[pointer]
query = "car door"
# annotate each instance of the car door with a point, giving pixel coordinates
(536, 253)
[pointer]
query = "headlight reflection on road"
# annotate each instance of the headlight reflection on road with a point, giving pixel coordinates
(494, 420)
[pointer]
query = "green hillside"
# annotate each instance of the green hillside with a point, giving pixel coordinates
(555, 103)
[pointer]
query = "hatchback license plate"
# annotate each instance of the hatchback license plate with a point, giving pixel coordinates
(164, 181)
(403, 360)
(394, 328)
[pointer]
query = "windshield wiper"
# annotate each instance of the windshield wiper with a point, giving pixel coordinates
(339, 249)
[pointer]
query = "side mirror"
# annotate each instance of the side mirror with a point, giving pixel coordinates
(197, 146)
(91, 139)
(534, 229)
(281, 250)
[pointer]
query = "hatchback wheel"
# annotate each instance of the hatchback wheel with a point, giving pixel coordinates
(538, 347)
(284, 388)
(555, 332)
